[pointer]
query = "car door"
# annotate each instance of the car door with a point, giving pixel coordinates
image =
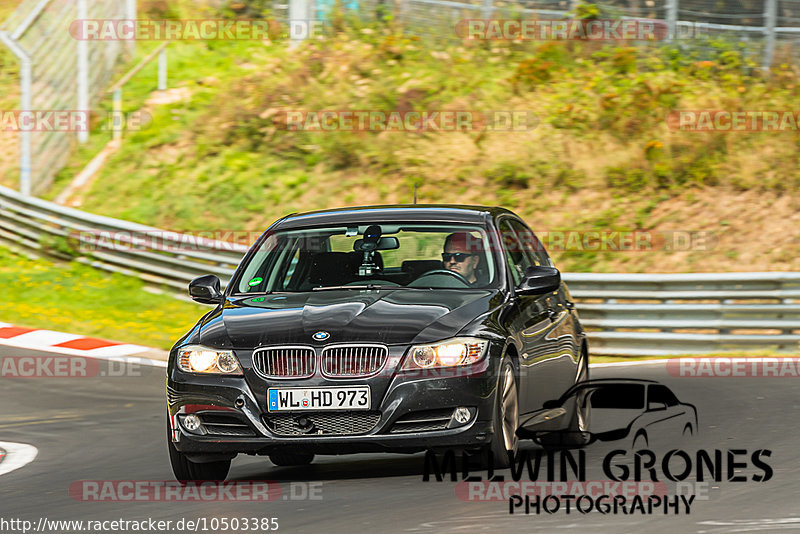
(531, 326)
(563, 336)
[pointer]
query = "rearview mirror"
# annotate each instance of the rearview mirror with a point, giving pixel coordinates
(539, 280)
(385, 243)
(206, 290)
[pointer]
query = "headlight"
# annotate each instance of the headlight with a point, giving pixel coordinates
(447, 353)
(199, 359)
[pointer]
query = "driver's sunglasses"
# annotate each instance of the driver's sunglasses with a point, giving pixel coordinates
(457, 256)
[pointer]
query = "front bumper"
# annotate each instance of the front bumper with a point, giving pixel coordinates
(396, 397)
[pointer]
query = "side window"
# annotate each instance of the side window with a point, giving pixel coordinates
(517, 259)
(531, 245)
(662, 394)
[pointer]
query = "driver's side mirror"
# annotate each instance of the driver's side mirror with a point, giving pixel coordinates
(539, 280)
(656, 406)
(206, 290)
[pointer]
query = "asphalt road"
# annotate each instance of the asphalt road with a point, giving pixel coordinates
(112, 428)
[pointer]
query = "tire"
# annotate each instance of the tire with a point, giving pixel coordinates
(185, 470)
(506, 417)
(291, 458)
(578, 434)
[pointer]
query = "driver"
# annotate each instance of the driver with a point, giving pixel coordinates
(462, 255)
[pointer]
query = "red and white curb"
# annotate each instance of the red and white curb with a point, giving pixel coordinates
(72, 344)
(15, 455)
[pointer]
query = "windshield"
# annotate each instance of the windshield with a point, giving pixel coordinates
(423, 256)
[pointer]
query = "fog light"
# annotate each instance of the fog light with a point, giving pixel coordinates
(461, 415)
(192, 423)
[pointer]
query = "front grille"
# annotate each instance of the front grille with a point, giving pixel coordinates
(285, 362)
(345, 361)
(322, 423)
(423, 421)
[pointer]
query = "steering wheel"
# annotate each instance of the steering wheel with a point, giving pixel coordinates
(458, 276)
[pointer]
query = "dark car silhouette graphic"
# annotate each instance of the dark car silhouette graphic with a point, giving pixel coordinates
(645, 412)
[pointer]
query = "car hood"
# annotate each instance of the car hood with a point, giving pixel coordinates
(383, 316)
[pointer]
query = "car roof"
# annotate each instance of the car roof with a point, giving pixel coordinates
(393, 212)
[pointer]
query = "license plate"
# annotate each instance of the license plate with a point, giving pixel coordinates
(298, 399)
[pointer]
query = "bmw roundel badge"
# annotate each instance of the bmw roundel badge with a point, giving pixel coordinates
(321, 336)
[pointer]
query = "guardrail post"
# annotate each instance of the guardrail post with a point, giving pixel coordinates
(770, 14)
(162, 70)
(25, 160)
(83, 72)
(672, 19)
(299, 10)
(487, 9)
(130, 14)
(118, 119)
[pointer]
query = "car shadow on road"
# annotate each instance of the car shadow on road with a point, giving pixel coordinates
(352, 467)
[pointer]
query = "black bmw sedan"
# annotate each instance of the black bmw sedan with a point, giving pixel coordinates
(388, 328)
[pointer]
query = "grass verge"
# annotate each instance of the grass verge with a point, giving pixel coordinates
(73, 298)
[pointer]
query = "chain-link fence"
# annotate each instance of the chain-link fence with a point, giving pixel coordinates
(58, 73)
(764, 29)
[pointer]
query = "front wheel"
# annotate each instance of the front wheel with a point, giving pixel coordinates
(506, 417)
(185, 470)
(576, 435)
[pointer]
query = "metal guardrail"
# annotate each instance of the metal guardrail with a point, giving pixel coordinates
(626, 314)
(111, 243)
(657, 314)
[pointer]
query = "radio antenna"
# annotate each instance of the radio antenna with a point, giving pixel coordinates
(415, 192)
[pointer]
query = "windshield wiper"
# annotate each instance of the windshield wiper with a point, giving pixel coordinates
(367, 286)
